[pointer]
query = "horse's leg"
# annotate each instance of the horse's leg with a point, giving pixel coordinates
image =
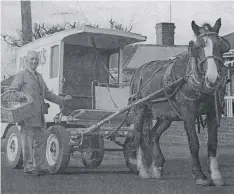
(158, 158)
(189, 124)
(138, 127)
(216, 176)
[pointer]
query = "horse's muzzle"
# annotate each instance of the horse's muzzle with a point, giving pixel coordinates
(210, 84)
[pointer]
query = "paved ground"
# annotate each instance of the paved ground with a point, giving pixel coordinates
(113, 177)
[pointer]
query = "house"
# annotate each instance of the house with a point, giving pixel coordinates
(229, 62)
(164, 49)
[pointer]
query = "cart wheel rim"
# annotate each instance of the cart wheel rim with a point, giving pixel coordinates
(52, 149)
(12, 147)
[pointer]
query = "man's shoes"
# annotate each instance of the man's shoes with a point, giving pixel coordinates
(40, 172)
(37, 172)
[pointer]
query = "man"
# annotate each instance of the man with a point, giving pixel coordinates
(30, 84)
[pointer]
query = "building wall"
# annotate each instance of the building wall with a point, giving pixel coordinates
(176, 134)
(232, 79)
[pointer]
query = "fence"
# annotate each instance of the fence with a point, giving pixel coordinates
(229, 102)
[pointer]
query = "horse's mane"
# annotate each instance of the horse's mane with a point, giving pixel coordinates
(207, 27)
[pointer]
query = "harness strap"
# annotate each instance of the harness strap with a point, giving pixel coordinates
(173, 105)
(169, 73)
(216, 99)
(209, 57)
(135, 96)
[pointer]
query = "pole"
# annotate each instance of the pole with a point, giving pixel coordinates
(230, 77)
(120, 67)
(170, 11)
(26, 21)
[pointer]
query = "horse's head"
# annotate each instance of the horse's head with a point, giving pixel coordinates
(209, 48)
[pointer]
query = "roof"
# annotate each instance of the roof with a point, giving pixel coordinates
(229, 54)
(143, 53)
(230, 38)
(90, 36)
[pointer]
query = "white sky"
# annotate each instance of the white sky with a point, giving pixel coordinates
(142, 14)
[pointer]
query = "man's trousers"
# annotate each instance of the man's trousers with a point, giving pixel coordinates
(34, 140)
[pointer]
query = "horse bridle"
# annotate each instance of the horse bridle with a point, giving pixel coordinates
(201, 62)
(209, 57)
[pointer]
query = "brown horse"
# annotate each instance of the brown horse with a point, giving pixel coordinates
(203, 68)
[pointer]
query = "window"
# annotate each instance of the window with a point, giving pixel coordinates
(54, 63)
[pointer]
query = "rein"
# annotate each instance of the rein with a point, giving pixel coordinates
(210, 57)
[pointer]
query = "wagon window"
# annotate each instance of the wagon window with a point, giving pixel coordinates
(54, 63)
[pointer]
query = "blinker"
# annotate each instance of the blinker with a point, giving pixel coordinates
(192, 49)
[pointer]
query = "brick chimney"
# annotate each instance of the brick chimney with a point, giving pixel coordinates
(165, 34)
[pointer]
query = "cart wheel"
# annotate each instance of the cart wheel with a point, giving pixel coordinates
(130, 154)
(13, 148)
(92, 156)
(57, 149)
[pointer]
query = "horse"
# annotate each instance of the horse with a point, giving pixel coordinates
(202, 94)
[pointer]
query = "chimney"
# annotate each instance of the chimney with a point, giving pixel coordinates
(165, 34)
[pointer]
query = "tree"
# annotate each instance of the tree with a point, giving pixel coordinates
(40, 30)
(115, 25)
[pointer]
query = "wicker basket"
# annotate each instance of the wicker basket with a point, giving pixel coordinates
(15, 109)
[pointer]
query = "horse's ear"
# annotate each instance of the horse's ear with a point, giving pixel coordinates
(195, 28)
(192, 49)
(217, 26)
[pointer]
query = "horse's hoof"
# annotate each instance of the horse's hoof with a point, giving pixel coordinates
(218, 182)
(202, 182)
(144, 175)
(156, 173)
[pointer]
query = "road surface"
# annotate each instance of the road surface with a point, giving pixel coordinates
(112, 177)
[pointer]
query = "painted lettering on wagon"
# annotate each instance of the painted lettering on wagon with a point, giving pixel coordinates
(42, 59)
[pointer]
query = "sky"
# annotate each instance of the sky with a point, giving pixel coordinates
(143, 15)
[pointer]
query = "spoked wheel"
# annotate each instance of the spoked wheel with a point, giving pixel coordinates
(93, 153)
(57, 149)
(13, 148)
(130, 154)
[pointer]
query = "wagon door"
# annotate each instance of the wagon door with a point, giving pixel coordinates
(80, 69)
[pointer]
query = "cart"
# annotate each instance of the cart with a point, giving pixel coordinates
(90, 127)
(77, 63)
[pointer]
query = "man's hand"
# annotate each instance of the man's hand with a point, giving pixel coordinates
(67, 97)
(67, 101)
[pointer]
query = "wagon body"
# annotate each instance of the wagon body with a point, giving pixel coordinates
(77, 63)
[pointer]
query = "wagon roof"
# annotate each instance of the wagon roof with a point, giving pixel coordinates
(91, 36)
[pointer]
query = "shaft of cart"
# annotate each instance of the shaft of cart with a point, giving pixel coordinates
(158, 94)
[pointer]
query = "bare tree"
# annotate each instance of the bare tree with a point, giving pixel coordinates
(115, 25)
(40, 30)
